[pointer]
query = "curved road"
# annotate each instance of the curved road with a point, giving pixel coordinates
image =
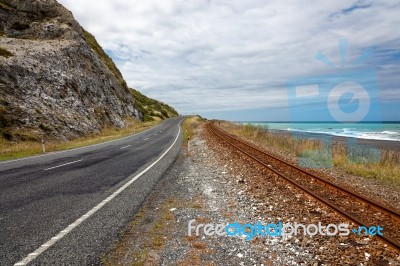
(67, 208)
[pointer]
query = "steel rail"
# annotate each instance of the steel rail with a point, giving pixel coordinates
(389, 211)
(393, 243)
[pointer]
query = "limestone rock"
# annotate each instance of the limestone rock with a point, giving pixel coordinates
(54, 77)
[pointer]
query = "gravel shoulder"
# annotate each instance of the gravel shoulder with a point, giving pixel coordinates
(216, 185)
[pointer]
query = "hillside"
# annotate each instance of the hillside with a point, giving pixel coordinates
(149, 108)
(152, 109)
(56, 81)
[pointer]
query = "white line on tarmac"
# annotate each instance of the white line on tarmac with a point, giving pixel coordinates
(127, 146)
(62, 165)
(33, 255)
(80, 148)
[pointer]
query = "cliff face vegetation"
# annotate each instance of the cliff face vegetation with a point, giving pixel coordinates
(152, 109)
(55, 79)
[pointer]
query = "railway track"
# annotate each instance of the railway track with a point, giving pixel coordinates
(348, 203)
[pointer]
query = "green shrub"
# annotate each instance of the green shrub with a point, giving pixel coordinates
(91, 40)
(3, 102)
(45, 128)
(147, 118)
(6, 134)
(19, 26)
(146, 106)
(164, 113)
(5, 120)
(5, 6)
(5, 53)
(151, 107)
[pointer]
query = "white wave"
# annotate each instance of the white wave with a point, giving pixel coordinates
(346, 132)
(390, 132)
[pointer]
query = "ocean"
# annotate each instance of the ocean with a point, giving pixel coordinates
(364, 130)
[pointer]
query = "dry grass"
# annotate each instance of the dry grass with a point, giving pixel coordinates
(190, 125)
(199, 245)
(156, 234)
(189, 128)
(356, 159)
(202, 220)
(362, 161)
(191, 238)
(12, 150)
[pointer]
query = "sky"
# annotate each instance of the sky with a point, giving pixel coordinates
(255, 60)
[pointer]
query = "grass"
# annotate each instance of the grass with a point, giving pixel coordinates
(149, 233)
(91, 40)
(151, 108)
(5, 53)
(199, 245)
(370, 163)
(156, 233)
(4, 117)
(359, 160)
(13, 150)
(189, 128)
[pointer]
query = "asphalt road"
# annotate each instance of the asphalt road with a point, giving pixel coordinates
(67, 208)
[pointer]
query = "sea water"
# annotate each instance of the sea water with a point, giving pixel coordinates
(364, 130)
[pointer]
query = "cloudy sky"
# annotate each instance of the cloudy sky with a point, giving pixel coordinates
(239, 60)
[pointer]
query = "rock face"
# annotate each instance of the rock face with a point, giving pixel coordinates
(55, 79)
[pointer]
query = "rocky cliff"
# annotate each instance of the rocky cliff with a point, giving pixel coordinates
(55, 79)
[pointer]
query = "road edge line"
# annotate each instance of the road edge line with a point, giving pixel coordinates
(78, 148)
(33, 255)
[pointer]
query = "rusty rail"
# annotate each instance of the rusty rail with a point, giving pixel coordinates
(358, 197)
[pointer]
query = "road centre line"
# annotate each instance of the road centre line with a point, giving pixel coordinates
(80, 148)
(127, 146)
(62, 165)
(33, 255)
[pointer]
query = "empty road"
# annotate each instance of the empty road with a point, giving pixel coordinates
(67, 208)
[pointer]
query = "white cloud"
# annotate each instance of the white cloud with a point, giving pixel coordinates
(219, 55)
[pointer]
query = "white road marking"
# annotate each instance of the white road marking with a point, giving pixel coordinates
(62, 165)
(146, 138)
(33, 255)
(127, 146)
(80, 148)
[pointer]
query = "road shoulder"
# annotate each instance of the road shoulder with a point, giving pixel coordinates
(214, 185)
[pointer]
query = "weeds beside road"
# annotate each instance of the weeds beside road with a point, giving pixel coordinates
(216, 184)
(385, 167)
(19, 149)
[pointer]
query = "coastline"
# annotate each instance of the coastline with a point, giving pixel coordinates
(375, 143)
(197, 190)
